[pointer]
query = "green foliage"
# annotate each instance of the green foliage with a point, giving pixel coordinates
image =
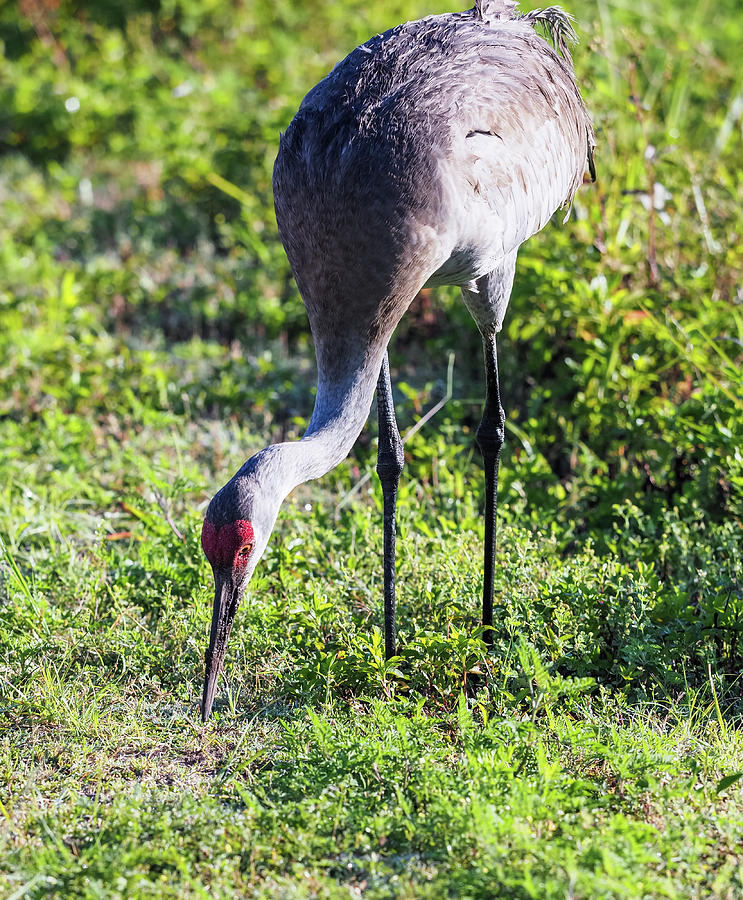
(151, 338)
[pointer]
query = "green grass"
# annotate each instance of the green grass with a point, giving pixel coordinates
(151, 338)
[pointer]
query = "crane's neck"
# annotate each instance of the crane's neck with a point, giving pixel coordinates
(341, 409)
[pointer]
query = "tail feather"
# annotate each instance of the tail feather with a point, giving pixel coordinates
(559, 26)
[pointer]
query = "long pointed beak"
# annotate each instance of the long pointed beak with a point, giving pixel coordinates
(226, 600)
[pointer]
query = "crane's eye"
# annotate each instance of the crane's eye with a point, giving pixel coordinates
(244, 552)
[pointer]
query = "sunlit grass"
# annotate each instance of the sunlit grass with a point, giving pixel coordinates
(151, 339)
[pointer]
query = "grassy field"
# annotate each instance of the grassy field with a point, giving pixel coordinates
(151, 338)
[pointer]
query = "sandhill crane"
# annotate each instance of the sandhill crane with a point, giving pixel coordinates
(426, 157)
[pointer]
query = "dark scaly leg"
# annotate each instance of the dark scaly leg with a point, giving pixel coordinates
(390, 460)
(490, 436)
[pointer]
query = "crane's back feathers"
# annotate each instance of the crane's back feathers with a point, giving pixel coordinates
(495, 9)
(429, 154)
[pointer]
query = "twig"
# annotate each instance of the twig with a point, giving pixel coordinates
(437, 407)
(648, 156)
(165, 507)
(440, 405)
(734, 113)
(713, 246)
(36, 14)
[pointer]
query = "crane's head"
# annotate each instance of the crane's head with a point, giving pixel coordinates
(236, 529)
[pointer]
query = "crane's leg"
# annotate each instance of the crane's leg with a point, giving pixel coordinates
(490, 436)
(390, 460)
(487, 300)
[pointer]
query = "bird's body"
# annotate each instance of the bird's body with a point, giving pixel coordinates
(427, 156)
(463, 135)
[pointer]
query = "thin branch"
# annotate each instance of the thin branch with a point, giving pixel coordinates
(437, 407)
(165, 507)
(649, 156)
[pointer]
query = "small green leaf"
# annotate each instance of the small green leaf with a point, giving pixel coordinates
(724, 783)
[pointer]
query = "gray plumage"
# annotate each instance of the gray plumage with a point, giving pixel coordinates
(427, 156)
